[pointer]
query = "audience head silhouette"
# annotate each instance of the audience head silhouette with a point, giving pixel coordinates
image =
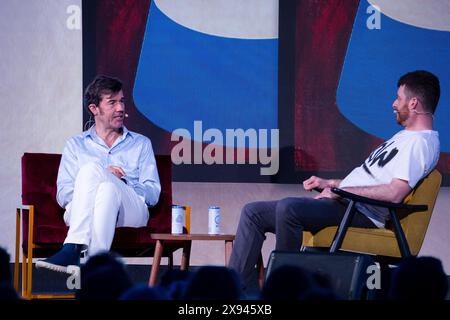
(5, 272)
(213, 283)
(420, 278)
(295, 283)
(174, 283)
(144, 292)
(103, 277)
(7, 291)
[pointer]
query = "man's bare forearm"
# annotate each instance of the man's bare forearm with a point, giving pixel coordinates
(383, 192)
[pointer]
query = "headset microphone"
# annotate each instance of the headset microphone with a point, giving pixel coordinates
(126, 115)
(417, 112)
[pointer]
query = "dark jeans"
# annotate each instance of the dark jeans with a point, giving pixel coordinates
(287, 218)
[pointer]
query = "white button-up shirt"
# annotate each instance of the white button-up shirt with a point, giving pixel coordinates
(132, 152)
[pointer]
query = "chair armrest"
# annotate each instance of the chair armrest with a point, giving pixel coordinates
(385, 204)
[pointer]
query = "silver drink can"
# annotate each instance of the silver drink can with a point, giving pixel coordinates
(178, 215)
(214, 220)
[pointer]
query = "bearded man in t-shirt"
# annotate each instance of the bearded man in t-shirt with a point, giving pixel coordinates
(389, 174)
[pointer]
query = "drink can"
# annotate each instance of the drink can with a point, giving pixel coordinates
(178, 214)
(214, 220)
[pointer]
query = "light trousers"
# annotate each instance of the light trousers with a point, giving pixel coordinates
(101, 202)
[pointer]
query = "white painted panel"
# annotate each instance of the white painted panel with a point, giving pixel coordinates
(41, 90)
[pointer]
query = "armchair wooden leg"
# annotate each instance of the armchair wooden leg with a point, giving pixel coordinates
(24, 273)
(29, 274)
(186, 255)
(260, 267)
(342, 229)
(16, 259)
(228, 249)
(400, 235)
(156, 262)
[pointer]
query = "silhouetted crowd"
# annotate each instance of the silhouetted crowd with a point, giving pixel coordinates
(104, 277)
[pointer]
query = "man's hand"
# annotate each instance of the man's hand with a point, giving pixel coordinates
(316, 182)
(117, 171)
(326, 194)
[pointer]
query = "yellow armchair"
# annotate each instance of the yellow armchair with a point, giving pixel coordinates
(402, 237)
(413, 215)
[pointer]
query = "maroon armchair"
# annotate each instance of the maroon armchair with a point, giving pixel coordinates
(44, 230)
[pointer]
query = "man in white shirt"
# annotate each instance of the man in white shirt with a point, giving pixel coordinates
(389, 174)
(107, 178)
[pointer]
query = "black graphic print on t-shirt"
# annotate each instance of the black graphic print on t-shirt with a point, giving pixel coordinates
(381, 156)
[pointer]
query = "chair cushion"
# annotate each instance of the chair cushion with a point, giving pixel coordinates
(382, 241)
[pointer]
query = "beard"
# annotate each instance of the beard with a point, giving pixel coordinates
(402, 116)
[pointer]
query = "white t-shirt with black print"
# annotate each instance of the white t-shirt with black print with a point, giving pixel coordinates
(408, 155)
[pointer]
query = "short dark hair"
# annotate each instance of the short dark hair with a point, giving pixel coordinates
(99, 86)
(424, 85)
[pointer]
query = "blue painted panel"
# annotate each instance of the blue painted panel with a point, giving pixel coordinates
(184, 75)
(377, 58)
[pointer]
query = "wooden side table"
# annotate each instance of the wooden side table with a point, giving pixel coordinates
(161, 238)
